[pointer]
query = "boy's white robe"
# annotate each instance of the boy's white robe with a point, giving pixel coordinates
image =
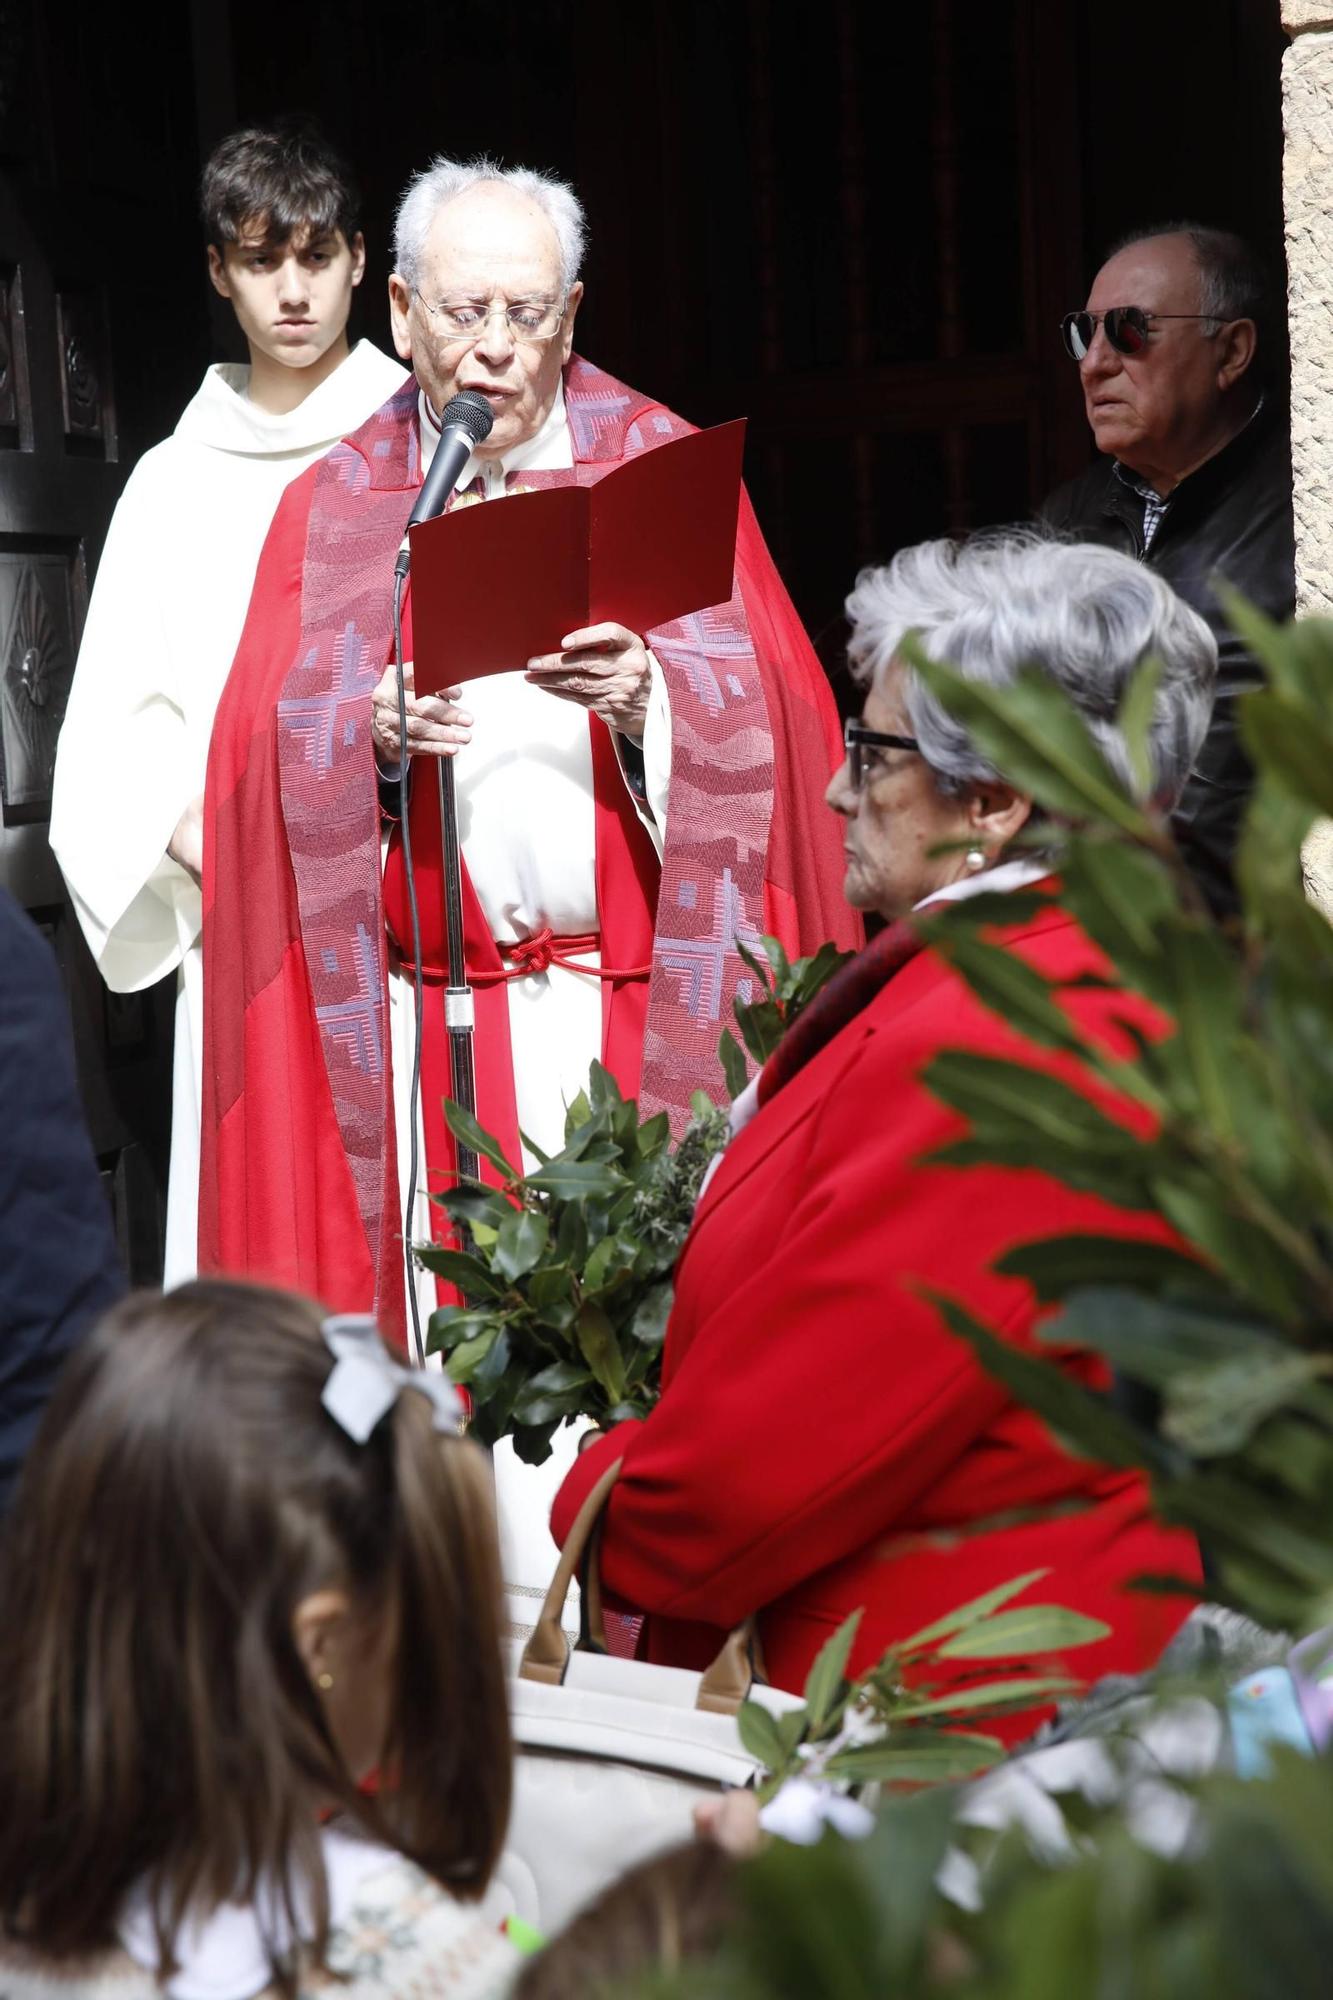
(165, 617)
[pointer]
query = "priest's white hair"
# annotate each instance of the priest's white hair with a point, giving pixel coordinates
(1016, 598)
(443, 179)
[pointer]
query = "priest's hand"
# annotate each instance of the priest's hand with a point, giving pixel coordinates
(187, 843)
(436, 726)
(602, 667)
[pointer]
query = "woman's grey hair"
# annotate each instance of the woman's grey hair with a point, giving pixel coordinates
(442, 180)
(1087, 616)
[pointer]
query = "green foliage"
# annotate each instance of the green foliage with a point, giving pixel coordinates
(840, 1921)
(1245, 1912)
(1221, 1126)
(895, 1724)
(567, 1273)
(567, 1277)
(785, 989)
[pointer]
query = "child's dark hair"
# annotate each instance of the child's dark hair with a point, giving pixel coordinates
(657, 1917)
(185, 1492)
(281, 180)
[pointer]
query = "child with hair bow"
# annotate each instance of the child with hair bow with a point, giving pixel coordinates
(251, 1561)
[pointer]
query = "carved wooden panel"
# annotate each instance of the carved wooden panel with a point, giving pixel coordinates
(9, 399)
(85, 384)
(99, 148)
(15, 409)
(36, 666)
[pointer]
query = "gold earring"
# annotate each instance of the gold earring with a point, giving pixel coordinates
(324, 1682)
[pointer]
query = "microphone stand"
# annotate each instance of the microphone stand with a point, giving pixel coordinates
(459, 1004)
(459, 1011)
(465, 422)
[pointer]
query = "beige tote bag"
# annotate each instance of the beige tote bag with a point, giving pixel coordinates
(612, 1755)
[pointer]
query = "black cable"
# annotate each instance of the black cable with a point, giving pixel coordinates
(414, 1096)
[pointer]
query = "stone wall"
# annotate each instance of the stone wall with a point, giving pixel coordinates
(1307, 193)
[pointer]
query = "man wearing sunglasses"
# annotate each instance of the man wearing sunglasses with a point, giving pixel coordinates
(1195, 476)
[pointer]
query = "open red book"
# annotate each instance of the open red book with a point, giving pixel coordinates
(650, 541)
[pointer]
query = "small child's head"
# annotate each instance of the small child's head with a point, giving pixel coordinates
(670, 1910)
(221, 1610)
(282, 219)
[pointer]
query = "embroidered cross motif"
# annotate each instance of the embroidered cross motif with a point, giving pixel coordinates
(698, 964)
(312, 720)
(356, 1024)
(692, 644)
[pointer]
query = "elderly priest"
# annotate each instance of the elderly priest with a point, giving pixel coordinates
(629, 804)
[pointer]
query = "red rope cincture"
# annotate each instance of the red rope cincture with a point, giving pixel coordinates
(537, 954)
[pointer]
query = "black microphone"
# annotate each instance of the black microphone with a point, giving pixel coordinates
(465, 422)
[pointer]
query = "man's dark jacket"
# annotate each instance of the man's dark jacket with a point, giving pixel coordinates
(58, 1262)
(1231, 518)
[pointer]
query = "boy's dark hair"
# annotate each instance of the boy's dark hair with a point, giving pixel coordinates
(285, 177)
(186, 1491)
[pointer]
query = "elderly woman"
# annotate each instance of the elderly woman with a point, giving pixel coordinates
(823, 1441)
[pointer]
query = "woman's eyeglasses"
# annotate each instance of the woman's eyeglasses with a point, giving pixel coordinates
(857, 740)
(1126, 328)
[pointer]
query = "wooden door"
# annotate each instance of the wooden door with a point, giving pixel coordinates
(60, 477)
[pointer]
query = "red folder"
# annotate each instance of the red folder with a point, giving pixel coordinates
(653, 540)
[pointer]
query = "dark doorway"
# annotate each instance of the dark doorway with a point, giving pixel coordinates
(101, 330)
(856, 225)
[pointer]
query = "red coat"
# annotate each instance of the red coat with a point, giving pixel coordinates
(823, 1441)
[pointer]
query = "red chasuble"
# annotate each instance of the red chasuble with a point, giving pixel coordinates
(298, 1184)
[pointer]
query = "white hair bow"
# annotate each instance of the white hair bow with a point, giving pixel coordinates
(365, 1381)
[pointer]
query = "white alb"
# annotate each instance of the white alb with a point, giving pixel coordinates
(172, 591)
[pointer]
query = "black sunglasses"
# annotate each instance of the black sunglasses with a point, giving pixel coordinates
(1126, 328)
(857, 739)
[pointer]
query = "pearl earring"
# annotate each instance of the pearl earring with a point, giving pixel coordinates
(976, 857)
(324, 1682)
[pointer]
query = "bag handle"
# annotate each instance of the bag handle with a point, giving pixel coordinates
(545, 1657)
(546, 1654)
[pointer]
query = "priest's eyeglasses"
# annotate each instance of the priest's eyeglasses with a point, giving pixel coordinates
(530, 321)
(1126, 328)
(857, 740)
